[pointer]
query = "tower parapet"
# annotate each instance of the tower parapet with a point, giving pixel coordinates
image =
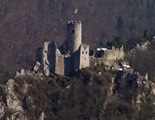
(74, 35)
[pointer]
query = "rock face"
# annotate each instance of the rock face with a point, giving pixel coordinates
(125, 79)
(12, 102)
(128, 78)
(12, 105)
(30, 96)
(46, 71)
(36, 67)
(144, 46)
(20, 73)
(42, 116)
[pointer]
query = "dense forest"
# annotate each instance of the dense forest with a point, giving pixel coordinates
(26, 24)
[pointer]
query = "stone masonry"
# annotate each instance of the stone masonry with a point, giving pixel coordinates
(72, 54)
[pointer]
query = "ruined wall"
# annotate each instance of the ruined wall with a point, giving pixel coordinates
(96, 61)
(70, 56)
(45, 53)
(74, 35)
(49, 55)
(52, 51)
(68, 67)
(59, 65)
(114, 54)
(76, 60)
(109, 57)
(56, 59)
(64, 64)
(84, 56)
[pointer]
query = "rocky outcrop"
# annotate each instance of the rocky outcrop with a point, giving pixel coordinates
(42, 116)
(37, 67)
(142, 47)
(12, 101)
(10, 105)
(32, 95)
(46, 70)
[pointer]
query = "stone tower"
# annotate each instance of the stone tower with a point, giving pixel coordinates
(74, 35)
(72, 55)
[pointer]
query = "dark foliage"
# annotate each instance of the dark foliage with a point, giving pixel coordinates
(143, 61)
(26, 24)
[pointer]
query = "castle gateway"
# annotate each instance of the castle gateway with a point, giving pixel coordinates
(72, 55)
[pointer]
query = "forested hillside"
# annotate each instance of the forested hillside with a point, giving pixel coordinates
(26, 24)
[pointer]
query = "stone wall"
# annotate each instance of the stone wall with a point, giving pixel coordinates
(84, 56)
(114, 54)
(59, 65)
(53, 60)
(64, 64)
(68, 67)
(108, 57)
(96, 61)
(45, 53)
(76, 60)
(52, 56)
(70, 56)
(49, 55)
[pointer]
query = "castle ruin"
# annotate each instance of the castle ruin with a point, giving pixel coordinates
(73, 54)
(107, 56)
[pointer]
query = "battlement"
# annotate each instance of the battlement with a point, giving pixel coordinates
(74, 22)
(85, 45)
